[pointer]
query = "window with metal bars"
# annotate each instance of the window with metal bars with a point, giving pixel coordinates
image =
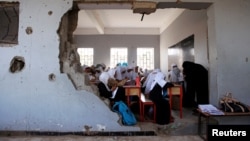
(145, 58)
(86, 56)
(118, 56)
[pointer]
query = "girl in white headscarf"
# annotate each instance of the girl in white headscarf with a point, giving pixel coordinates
(108, 88)
(120, 75)
(156, 92)
(103, 78)
(149, 81)
(112, 72)
(175, 75)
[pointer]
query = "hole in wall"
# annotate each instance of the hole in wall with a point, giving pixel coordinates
(17, 64)
(29, 30)
(50, 13)
(52, 77)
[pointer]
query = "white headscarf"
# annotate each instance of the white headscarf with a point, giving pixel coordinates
(100, 70)
(111, 72)
(129, 73)
(104, 79)
(159, 79)
(173, 65)
(134, 74)
(149, 80)
(174, 73)
(119, 74)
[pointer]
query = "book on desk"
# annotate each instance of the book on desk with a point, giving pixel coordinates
(210, 109)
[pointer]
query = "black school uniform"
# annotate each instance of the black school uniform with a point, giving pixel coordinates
(104, 92)
(162, 105)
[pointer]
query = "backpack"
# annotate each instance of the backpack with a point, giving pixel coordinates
(128, 117)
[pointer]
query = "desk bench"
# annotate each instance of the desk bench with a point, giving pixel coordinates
(133, 90)
(207, 119)
(147, 102)
(176, 90)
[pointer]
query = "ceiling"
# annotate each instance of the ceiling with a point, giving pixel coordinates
(125, 18)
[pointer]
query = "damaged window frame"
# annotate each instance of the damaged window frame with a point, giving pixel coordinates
(9, 14)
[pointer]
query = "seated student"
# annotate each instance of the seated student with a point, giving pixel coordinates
(175, 75)
(132, 75)
(89, 73)
(108, 89)
(148, 81)
(129, 76)
(104, 91)
(118, 73)
(156, 83)
(118, 92)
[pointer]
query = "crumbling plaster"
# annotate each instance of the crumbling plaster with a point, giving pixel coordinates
(68, 55)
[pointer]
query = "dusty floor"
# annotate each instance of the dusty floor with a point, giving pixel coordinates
(182, 129)
(99, 138)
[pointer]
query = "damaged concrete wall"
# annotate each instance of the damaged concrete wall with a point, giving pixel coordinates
(68, 56)
(45, 91)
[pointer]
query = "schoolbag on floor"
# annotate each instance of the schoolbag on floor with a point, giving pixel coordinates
(128, 117)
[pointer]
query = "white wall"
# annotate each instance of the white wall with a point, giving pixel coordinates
(103, 43)
(190, 22)
(28, 100)
(229, 39)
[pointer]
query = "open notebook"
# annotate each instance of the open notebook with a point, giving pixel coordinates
(210, 109)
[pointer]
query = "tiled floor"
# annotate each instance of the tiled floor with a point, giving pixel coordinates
(182, 129)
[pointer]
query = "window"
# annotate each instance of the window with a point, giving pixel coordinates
(9, 15)
(86, 56)
(118, 55)
(145, 58)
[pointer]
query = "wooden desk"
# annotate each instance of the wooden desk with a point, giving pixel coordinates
(176, 90)
(207, 119)
(133, 90)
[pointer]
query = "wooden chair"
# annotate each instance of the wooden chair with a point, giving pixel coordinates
(176, 90)
(147, 102)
